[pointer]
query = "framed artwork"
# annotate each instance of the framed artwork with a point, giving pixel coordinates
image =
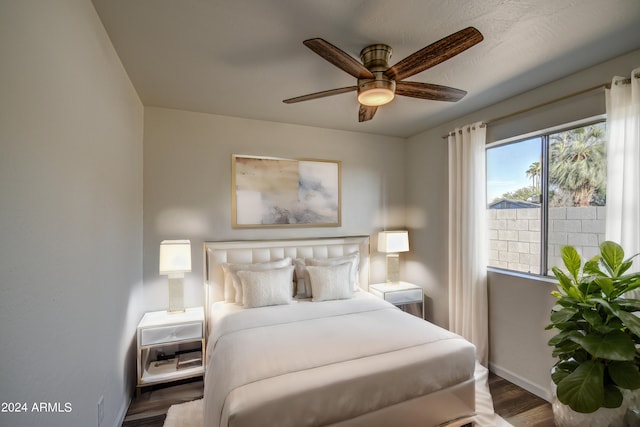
(277, 192)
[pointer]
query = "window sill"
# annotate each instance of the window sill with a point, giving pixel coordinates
(529, 276)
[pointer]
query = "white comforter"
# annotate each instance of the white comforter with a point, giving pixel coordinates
(318, 363)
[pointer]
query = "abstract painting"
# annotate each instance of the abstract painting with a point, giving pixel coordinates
(277, 192)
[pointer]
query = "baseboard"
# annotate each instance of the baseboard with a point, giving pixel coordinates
(541, 392)
(123, 412)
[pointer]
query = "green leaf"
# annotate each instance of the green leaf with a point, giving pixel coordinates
(629, 304)
(568, 326)
(571, 260)
(575, 293)
(611, 308)
(625, 266)
(631, 287)
(563, 315)
(612, 256)
(613, 324)
(564, 281)
(612, 397)
(631, 321)
(568, 366)
(624, 374)
(567, 301)
(558, 375)
(561, 337)
(597, 322)
(615, 345)
(627, 283)
(593, 318)
(581, 356)
(587, 287)
(566, 351)
(583, 389)
(592, 267)
(566, 347)
(606, 284)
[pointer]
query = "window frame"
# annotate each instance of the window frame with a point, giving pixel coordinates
(544, 134)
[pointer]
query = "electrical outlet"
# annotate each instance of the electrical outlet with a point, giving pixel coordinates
(100, 410)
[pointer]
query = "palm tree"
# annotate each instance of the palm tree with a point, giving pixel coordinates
(578, 163)
(534, 173)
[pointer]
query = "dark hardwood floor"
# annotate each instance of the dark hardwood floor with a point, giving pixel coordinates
(515, 405)
(150, 409)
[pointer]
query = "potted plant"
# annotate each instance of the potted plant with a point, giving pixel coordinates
(599, 334)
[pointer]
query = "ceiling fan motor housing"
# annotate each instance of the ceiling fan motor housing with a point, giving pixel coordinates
(376, 57)
(380, 90)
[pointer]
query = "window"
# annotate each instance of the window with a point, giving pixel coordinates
(546, 190)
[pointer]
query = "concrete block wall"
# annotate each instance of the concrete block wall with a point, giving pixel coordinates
(514, 235)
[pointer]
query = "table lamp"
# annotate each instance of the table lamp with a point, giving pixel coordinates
(391, 243)
(175, 260)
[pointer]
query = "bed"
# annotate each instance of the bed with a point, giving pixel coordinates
(334, 358)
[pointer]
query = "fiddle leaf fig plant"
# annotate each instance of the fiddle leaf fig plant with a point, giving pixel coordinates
(598, 331)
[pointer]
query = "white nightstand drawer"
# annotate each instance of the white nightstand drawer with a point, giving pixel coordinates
(401, 294)
(171, 333)
(404, 297)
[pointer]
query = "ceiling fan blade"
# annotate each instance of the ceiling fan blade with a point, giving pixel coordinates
(322, 94)
(429, 91)
(434, 54)
(338, 58)
(366, 113)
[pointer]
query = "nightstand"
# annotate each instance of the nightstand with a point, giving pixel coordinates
(171, 346)
(400, 294)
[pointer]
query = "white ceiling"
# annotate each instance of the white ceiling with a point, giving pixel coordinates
(243, 57)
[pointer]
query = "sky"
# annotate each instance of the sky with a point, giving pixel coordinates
(507, 166)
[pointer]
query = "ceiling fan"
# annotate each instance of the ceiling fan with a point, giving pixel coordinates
(378, 83)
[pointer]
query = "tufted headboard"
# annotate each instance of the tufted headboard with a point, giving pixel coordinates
(247, 251)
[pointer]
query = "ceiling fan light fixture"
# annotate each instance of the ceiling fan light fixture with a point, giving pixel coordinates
(374, 93)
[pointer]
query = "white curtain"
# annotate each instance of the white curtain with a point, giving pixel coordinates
(468, 311)
(623, 163)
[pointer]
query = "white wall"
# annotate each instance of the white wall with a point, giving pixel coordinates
(70, 216)
(187, 184)
(519, 307)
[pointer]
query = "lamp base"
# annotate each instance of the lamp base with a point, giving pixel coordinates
(393, 268)
(176, 295)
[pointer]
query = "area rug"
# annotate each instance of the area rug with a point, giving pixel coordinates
(190, 414)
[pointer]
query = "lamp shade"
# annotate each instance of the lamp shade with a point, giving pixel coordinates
(175, 256)
(393, 241)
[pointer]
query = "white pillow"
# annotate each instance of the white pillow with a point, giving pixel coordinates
(354, 259)
(330, 282)
(269, 287)
(302, 279)
(232, 285)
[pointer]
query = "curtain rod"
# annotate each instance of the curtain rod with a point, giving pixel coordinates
(544, 104)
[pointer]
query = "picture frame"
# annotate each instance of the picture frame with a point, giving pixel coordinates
(282, 192)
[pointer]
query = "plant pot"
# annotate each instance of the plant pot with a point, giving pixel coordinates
(627, 415)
